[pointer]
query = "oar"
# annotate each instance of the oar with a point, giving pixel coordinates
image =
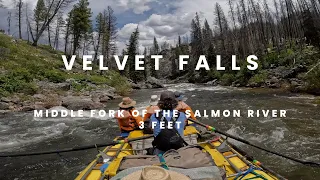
(80, 148)
(250, 158)
(210, 128)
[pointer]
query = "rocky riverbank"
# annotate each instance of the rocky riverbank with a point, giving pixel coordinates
(282, 77)
(65, 94)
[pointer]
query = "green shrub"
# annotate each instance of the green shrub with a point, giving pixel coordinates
(270, 58)
(78, 86)
(79, 77)
(227, 79)
(213, 74)
(10, 84)
(313, 79)
(96, 79)
(54, 76)
(243, 76)
(120, 83)
(259, 78)
(22, 74)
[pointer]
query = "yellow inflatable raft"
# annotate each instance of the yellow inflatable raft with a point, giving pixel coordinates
(235, 165)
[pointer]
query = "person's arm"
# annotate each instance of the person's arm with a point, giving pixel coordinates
(146, 116)
(192, 116)
(138, 120)
(156, 128)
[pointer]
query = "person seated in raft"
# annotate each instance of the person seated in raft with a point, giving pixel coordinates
(167, 137)
(151, 109)
(182, 106)
(127, 122)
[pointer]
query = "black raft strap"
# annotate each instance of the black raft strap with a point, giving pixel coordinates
(174, 127)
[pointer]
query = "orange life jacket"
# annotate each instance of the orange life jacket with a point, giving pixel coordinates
(150, 110)
(128, 122)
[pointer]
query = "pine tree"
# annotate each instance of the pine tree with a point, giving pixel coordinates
(207, 35)
(196, 42)
(156, 49)
(80, 23)
(132, 51)
(39, 14)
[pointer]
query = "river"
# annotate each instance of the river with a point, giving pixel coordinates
(296, 135)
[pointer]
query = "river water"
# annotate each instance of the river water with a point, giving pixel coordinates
(296, 135)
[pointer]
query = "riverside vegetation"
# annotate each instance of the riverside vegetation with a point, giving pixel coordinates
(35, 77)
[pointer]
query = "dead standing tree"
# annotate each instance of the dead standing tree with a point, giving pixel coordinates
(52, 8)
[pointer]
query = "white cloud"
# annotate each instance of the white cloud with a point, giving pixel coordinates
(167, 27)
(138, 6)
(120, 6)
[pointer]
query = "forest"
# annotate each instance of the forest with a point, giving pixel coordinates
(283, 34)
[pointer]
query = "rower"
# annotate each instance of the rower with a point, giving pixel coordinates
(168, 138)
(127, 121)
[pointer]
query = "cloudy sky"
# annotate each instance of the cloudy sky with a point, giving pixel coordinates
(164, 19)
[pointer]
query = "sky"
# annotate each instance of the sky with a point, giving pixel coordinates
(164, 19)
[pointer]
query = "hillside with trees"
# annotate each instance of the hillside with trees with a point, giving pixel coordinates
(284, 35)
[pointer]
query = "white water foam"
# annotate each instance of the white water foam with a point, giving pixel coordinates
(31, 135)
(184, 87)
(277, 135)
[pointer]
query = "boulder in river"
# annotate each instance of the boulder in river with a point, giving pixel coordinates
(4, 99)
(27, 108)
(212, 83)
(274, 82)
(4, 106)
(135, 86)
(103, 95)
(154, 82)
(81, 103)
